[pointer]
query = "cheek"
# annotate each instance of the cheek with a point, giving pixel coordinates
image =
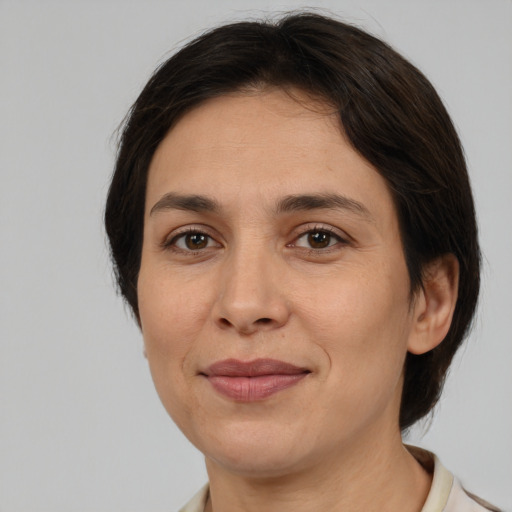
(172, 309)
(171, 319)
(361, 322)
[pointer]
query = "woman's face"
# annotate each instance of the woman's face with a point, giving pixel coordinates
(273, 291)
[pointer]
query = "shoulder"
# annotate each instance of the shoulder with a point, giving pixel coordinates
(446, 493)
(461, 500)
(198, 502)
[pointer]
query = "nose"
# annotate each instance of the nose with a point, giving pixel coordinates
(251, 296)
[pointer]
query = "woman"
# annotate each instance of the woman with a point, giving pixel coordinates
(292, 224)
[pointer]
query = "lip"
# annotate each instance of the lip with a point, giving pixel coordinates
(250, 381)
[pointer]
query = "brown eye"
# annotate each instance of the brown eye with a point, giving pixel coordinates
(319, 239)
(195, 241)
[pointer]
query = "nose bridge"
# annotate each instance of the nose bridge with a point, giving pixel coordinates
(250, 297)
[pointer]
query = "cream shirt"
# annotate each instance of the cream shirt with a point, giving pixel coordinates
(446, 493)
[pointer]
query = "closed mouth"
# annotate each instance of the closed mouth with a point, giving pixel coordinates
(248, 381)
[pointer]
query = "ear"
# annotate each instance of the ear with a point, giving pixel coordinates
(434, 304)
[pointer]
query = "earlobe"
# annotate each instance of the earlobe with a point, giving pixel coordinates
(435, 304)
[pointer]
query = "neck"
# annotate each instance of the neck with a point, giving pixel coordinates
(380, 476)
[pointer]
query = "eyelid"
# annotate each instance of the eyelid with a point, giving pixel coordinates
(342, 237)
(169, 241)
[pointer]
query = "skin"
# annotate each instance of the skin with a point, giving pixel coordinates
(256, 288)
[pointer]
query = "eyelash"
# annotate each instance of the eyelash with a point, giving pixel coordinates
(171, 243)
(339, 240)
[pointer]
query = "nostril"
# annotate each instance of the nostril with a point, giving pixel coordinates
(225, 322)
(246, 327)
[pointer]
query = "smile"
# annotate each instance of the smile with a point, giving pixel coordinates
(253, 380)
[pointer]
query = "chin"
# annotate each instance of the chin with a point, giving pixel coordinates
(263, 451)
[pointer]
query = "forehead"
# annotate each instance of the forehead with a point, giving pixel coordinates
(251, 148)
(271, 119)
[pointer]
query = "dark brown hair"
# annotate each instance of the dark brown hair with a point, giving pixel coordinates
(390, 113)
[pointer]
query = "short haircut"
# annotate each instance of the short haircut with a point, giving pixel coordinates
(389, 112)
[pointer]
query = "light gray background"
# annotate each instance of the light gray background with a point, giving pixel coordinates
(81, 427)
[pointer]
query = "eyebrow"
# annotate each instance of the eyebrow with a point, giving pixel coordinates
(288, 204)
(193, 202)
(305, 202)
